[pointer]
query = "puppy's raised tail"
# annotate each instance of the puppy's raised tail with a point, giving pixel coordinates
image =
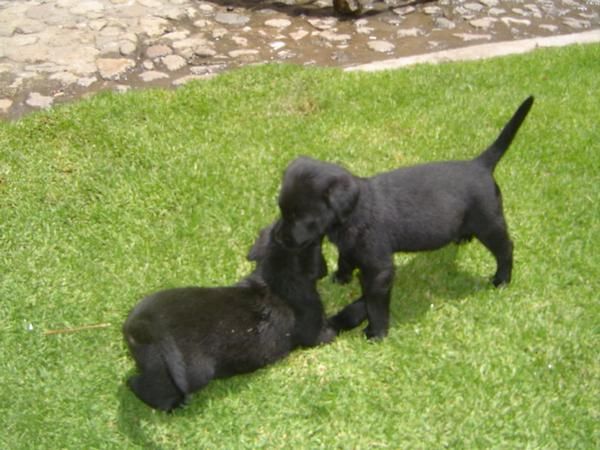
(490, 157)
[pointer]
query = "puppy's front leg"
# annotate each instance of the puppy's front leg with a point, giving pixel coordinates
(377, 288)
(343, 274)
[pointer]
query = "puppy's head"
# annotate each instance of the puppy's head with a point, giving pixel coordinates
(314, 196)
(273, 257)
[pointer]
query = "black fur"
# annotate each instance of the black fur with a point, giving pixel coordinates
(410, 209)
(183, 338)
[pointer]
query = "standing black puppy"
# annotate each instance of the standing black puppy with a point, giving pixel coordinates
(410, 209)
(183, 338)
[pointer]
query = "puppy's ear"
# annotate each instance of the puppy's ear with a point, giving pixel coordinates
(342, 196)
(259, 248)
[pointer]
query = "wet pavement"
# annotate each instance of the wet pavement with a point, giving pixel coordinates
(55, 51)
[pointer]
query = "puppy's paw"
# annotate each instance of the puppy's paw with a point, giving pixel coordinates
(341, 277)
(327, 335)
(500, 281)
(375, 334)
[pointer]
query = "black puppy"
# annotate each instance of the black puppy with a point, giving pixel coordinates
(182, 338)
(410, 209)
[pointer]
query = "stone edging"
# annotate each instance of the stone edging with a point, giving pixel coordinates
(482, 51)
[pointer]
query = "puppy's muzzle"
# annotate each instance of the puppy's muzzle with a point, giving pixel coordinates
(292, 236)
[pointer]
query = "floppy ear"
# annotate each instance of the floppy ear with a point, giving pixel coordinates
(259, 248)
(342, 196)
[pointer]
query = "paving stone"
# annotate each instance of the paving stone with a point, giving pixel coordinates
(278, 23)
(156, 51)
(127, 48)
(299, 34)
(114, 68)
(152, 75)
(467, 37)
(173, 62)
(577, 24)
(243, 52)
(66, 78)
(5, 104)
(323, 24)
(226, 18)
(86, 81)
(442, 22)
(509, 21)
(37, 100)
(86, 7)
(483, 23)
(381, 46)
(154, 26)
(410, 32)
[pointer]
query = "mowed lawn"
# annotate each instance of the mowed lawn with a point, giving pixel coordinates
(111, 198)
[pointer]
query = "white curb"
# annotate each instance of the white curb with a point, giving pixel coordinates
(482, 51)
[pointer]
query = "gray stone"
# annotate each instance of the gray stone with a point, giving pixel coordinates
(432, 10)
(404, 10)
(243, 52)
(114, 68)
(300, 34)
(152, 75)
(483, 23)
(37, 100)
(173, 62)
(410, 32)
(442, 22)
(332, 36)
(65, 78)
(86, 81)
(467, 37)
(576, 24)
(204, 51)
(381, 46)
(278, 23)
(231, 19)
(277, 45)
(496, 11)
(127, 48)
(477, 7)
(489, 3)
(549, 27)
(509, 21)
(323, 24)
(154, 26)
(87, 7)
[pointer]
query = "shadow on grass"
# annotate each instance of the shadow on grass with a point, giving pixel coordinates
(137, 421)
(430, 280)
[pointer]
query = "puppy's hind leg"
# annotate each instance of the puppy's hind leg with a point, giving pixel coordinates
(156, 388)
(377, 290)
(350, 317)
(497, 241)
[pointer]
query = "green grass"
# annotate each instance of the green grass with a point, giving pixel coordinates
(111, 198)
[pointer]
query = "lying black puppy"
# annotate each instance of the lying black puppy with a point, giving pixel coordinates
(183, 338)
(410, 209)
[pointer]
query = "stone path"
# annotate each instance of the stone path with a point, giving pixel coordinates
(52, 51)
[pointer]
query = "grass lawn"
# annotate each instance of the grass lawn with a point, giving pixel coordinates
(106, 200)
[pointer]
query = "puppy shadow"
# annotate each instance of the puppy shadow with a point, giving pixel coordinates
(429, 280)
(310, 8)
(136, 420)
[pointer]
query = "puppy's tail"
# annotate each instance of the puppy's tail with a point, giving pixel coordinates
(490, 157)
(144, 336)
